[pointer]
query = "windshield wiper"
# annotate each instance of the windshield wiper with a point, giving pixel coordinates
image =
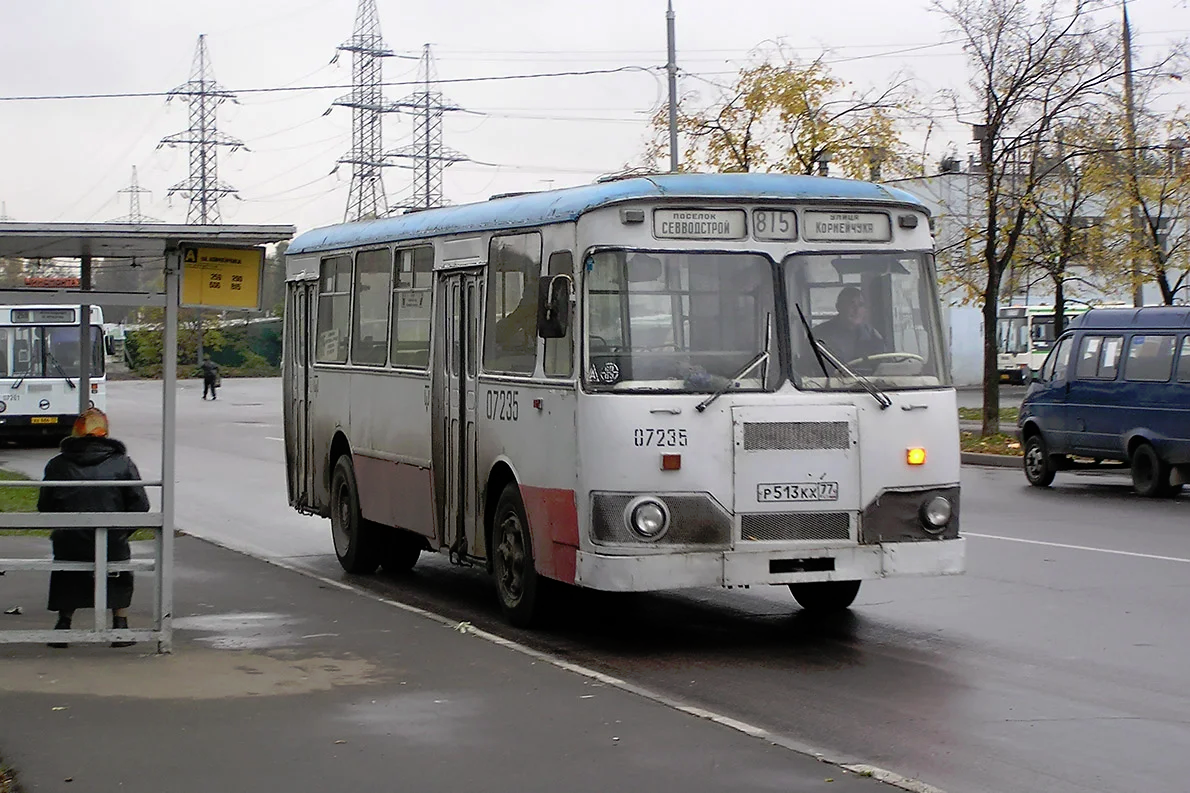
(50, 357)
(760, 357)
(820, 350)
(813, 344)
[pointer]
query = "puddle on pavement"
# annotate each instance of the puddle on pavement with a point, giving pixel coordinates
(243, 630)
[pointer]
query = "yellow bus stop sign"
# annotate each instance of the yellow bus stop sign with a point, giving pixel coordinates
(221, 277)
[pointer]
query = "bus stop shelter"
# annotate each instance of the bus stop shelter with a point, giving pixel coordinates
(177, 246)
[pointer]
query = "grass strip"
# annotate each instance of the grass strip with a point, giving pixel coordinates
(990, 444)
(976, 414)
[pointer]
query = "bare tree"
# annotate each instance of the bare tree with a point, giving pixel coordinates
(1032, 65)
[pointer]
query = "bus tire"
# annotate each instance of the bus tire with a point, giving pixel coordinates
(825, 597)
(1150, 474)
(358, 543)
(401, 552)
(517, 583)
(1039, 465)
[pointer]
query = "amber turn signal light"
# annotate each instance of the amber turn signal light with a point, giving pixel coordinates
(671, 462)
(915, 456)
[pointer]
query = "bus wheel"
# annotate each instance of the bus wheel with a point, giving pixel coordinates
(825, 597)
(358, 543)
(1039, 466)
(512, 559)
(1150, 475)
(401, 551)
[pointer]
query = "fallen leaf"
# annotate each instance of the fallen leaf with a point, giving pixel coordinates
(340, 741)
(14, 610)
(58, 707)
(463, 627)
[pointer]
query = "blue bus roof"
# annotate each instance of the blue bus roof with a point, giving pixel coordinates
(1148, 318)
(556, 206)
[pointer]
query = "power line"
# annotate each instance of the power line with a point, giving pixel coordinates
(337, 87)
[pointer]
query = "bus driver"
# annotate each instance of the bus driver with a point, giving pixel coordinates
(848, 334)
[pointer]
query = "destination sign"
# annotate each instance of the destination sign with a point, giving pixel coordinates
(45, 316)
(699, 224)
(846, 226)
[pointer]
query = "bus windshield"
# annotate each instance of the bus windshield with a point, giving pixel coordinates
(47, 351)
(1012, 334)
(679, 322)
(875, 312)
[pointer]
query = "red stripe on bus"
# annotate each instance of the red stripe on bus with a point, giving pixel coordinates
(553, 521)
(395, 494)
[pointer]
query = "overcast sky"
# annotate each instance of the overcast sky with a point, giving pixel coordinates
(66, 160)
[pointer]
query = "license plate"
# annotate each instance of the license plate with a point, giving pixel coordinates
(1004, 378)
(798, 491)
(44, 420)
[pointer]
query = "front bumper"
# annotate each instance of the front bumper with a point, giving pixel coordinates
(695, 569)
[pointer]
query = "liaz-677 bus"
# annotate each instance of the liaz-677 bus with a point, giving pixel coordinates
(653, 383)
(39, 364)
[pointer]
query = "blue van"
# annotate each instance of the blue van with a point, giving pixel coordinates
(1114, 392)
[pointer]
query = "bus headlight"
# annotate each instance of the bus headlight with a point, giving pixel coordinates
(936, 514)
(647, 518)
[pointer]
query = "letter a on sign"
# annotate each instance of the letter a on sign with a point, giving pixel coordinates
(191, 256)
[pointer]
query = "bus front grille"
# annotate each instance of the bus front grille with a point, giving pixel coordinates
(783, 527)
(795, 435)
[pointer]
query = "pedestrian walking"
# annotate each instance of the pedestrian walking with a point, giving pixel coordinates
(88, 455)
(210, 376)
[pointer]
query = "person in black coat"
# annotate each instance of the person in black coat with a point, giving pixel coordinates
(210, 377)
(89, 454)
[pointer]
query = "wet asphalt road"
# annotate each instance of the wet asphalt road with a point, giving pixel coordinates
(1057, 663)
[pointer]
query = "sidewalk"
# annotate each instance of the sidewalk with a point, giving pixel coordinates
(279, 682)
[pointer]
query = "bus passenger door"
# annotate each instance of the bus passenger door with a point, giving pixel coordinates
(461, 296)
(296, 384)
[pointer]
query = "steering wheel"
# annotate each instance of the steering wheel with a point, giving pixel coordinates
(888, 357)
(604, 347)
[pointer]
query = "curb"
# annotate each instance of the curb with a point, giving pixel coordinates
(990, 460)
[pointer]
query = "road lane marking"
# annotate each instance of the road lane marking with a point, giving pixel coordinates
(1080, 548)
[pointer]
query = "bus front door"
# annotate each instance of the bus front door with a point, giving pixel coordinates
(461, 295)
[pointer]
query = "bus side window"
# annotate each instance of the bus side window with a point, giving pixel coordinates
(334, 309)
(510, 327)
(559, 353)
(409, 333)
(369, 332)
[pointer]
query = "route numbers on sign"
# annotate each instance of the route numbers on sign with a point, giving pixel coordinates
(222, 277)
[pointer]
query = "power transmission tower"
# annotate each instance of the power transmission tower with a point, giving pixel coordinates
(366, 197)
(134, 215)
(204, 96)
(428, 156)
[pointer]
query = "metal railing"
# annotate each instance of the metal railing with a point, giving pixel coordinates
(161, 630)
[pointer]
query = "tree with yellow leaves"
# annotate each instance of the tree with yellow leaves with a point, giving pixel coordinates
(784, 116)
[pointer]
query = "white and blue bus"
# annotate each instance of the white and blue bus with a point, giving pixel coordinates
(646, 384)
(39, 367)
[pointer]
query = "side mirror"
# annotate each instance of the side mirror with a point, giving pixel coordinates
(554, 296)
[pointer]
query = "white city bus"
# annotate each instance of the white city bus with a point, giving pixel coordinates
(39, 364)
(615, 386)
(1025, 336)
